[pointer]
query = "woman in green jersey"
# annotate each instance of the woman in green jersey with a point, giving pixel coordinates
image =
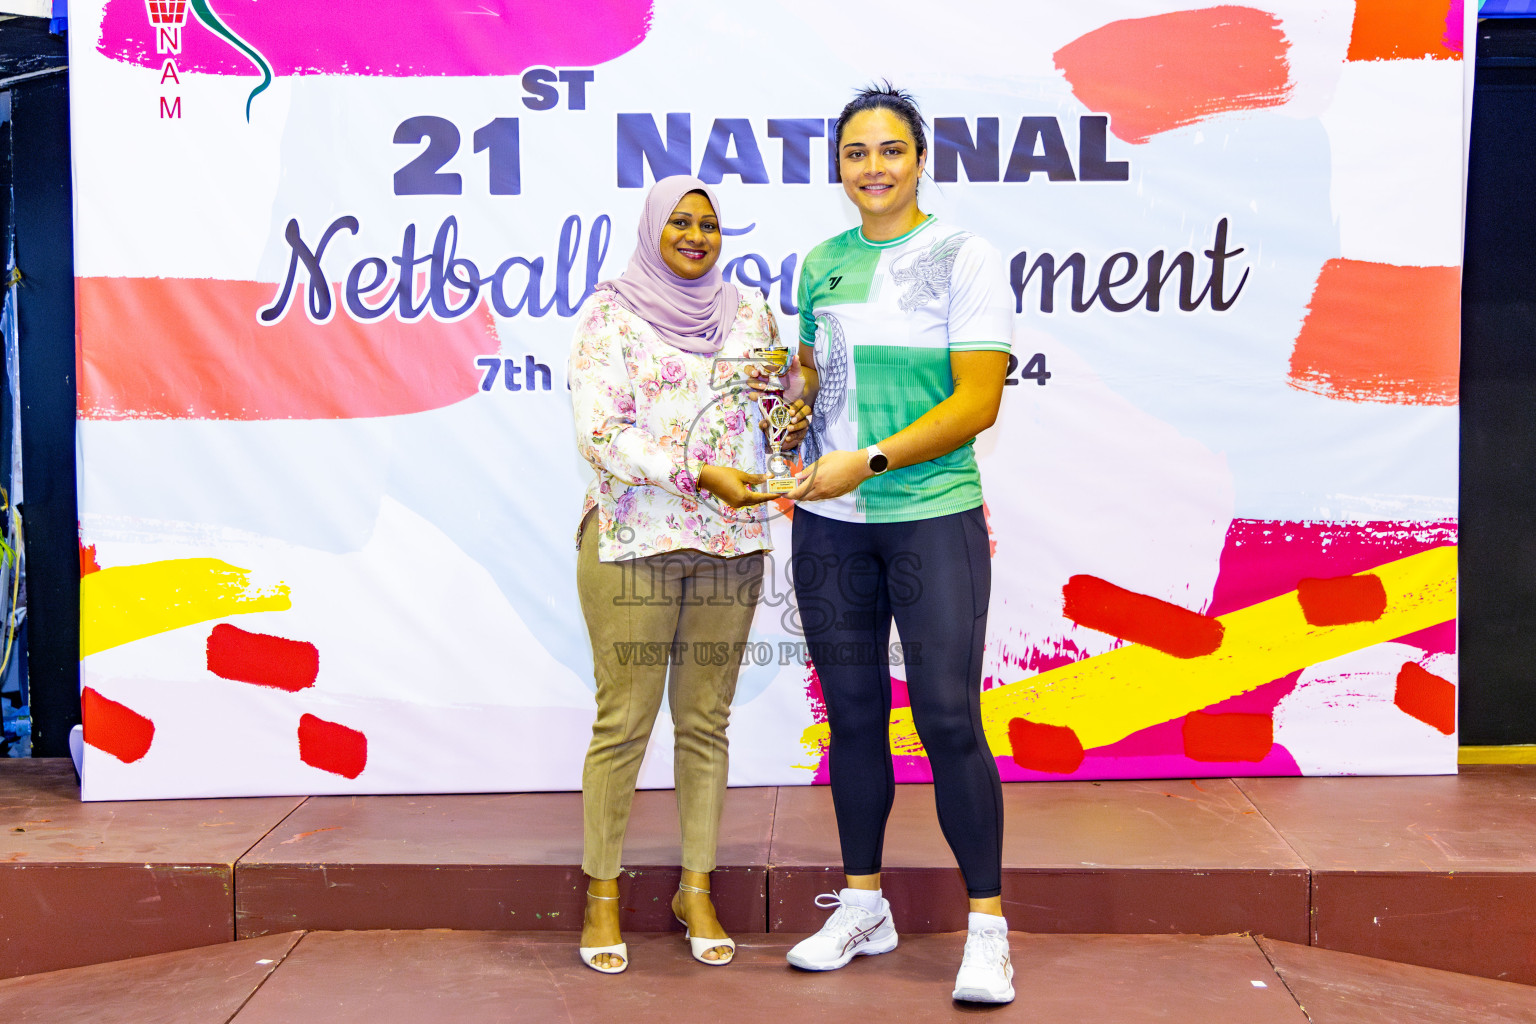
(907, 321)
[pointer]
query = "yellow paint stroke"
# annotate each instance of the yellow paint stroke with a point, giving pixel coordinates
(130, 602)
(1112, 695)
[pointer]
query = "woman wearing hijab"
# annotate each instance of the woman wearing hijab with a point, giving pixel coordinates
(669, 520)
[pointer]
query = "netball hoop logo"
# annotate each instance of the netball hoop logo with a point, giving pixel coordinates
(167, 18)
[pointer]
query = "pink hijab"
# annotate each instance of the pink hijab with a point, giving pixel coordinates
(695, 316)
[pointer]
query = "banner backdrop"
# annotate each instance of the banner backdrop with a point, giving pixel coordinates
(329, 257)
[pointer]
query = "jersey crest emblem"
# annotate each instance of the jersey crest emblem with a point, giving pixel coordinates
(925, 274)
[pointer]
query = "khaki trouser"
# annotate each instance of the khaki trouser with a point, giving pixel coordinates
(634, 610)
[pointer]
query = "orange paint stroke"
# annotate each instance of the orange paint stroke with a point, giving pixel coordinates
(1151, 75)
(196, 351)
(1402, 30)
(1381, 333)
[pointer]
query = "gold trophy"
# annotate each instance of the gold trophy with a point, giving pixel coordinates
(773, 362)
(781, 474)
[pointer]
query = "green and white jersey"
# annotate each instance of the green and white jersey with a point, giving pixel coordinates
(884, 318)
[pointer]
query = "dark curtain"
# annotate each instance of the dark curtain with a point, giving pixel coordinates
(1497, 623)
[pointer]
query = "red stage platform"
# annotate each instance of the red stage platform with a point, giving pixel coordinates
(1439, 872)
(446, 977)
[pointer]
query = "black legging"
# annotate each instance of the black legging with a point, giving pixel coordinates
(934, 576)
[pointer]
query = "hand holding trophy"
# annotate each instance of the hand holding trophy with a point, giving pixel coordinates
(781, 474)
(769, 364)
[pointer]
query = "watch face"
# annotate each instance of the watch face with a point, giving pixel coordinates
(878, 462)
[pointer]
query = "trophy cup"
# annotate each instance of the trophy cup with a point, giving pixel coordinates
(781, 474)
(773, 362)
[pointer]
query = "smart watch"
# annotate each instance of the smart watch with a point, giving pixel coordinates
(878, 463)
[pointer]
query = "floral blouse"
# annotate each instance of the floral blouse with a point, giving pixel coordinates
(649, 415)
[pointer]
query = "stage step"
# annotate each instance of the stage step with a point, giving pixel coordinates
(87, 883)
(1431, 871)
(1177, 857)
(1438, 871)
(381, 977)
(508, 861)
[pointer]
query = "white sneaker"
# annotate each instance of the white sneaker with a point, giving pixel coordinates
(851, 931)
(986, 972)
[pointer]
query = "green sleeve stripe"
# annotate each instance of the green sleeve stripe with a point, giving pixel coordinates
(980, 346)
(807, 322)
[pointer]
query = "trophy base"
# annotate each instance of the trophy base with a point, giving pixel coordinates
(780, 484)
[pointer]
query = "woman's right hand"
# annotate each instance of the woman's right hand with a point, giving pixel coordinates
(800, 422)
(733, 486)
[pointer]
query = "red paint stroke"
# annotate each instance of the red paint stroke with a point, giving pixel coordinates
(1406, 30)
(202, 355)
(1210, 737)
(331, 747)
(1263, 558)
(1427, 697)
(265, 660)
(88, 563)
(1343, 599)
(1097, 604)
(1151, 75)
(1375, 332)
(393, 38)
(115, 728)
(1045, 748)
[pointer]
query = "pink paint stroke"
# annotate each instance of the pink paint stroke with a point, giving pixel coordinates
(1265, 558)
(389, 38)
(1262, 559)
(1454, 27)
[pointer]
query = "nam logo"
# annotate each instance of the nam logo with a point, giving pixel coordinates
(168, 17)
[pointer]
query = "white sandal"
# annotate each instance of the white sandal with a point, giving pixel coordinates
(619, 949)
(699, 945)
